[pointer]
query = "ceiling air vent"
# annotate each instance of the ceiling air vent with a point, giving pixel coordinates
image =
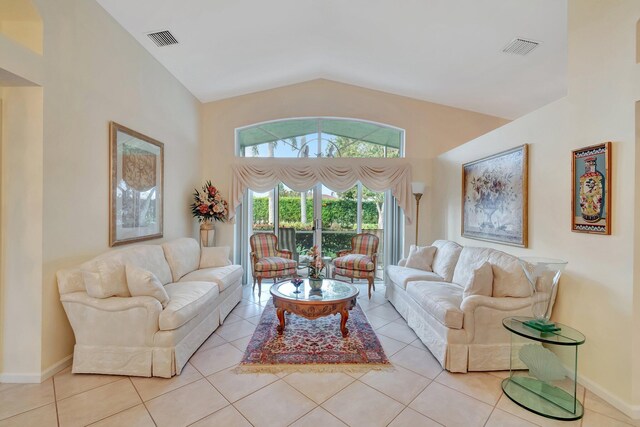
(162, 38)
(520, 46)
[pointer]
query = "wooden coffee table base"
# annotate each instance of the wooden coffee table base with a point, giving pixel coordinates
(313, 310)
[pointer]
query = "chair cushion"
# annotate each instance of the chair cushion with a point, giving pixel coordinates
(274, 263)
(187, 300)
(356, 274)
(183, 256)
(354, 262)
(222, 276)
(446, 258)
(440, 299)
(403, 275)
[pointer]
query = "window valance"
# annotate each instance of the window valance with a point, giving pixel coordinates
(336, 174)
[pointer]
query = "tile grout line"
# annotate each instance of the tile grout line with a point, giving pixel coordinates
(32, 409)
(414, 399)
(115, 413)
(143, 402)
(467, 395)
(55, 399)
(328, 398)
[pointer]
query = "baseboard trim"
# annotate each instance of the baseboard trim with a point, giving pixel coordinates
(56, 367)
(35, 378)
(20, 378)
(631, 411)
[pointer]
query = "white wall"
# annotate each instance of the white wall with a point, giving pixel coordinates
(597, 290)
(93, 71)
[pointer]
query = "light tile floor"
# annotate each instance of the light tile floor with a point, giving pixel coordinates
(209, 392)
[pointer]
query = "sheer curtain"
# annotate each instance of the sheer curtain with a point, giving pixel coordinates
(339, 175)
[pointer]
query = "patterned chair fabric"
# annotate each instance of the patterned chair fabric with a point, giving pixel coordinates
(287, 239)
(267, 261)
(354, 262)
(274, 264)
(360, 261)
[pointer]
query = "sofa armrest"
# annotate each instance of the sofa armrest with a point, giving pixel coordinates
(343, 252)
(284, 253)
(127, 322)
(483, 317)
(470, 303)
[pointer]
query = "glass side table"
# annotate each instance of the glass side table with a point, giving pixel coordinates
(543, 369)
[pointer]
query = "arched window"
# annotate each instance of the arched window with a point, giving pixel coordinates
(320, 137)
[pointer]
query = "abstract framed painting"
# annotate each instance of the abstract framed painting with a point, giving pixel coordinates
(136, 163)
(591, 189)
(494, 198)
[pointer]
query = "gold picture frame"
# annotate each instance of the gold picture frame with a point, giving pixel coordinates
(591, 189)
(495, 192)
(136, 199)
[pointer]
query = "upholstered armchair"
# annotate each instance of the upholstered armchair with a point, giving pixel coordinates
(267, 261)
(359, 262)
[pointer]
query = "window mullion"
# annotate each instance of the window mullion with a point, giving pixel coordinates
(359, 208)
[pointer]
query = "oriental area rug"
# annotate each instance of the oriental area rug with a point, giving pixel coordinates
(313, 345)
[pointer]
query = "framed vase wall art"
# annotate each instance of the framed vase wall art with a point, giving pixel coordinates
(494, 198)
(591, 189)
(137, 184)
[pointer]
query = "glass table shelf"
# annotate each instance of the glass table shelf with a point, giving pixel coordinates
(543, 369)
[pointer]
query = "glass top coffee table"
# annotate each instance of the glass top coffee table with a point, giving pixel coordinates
(334, 297)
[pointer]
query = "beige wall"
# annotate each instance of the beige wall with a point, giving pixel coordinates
(597, 291)
(21, 222)
(20, 21)
(93, 72)
(430, 128)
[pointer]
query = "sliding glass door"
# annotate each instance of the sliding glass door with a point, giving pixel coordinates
(319, 217)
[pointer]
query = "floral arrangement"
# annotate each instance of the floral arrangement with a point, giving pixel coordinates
(316, 265)
(209, 205)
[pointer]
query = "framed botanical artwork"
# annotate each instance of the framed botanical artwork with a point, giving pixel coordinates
(136, 163)
(591, 189)
(494, 198)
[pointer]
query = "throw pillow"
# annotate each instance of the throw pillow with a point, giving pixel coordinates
(214, 256)
(142, 282)
(93, 285)
(481, 281)
(112, 277)
(421, 257)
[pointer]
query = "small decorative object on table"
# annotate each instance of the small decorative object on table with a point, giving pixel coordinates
(296, 283)
(543, 275)
(208, 207)
(315, 269)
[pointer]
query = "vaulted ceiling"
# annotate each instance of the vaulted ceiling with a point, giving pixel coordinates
(443, 51)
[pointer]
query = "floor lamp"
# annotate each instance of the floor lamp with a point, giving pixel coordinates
(417, 188)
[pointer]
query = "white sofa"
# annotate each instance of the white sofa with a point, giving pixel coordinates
(463, 333)
(128, 335)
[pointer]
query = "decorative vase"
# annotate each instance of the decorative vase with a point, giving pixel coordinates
(591, 185)
(315, 283)
(543, 275)
(207, 234)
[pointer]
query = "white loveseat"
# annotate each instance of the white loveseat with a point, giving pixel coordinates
(134, 335)
(463, 333)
